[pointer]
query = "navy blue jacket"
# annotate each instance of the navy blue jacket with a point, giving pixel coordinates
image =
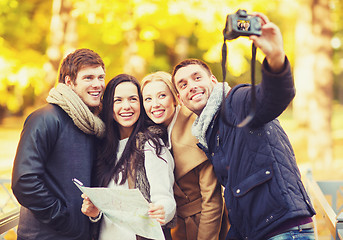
(256, 163)
(51, 152)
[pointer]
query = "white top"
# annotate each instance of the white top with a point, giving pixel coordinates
(171, 125)
(161, 179)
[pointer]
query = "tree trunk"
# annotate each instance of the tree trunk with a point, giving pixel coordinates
(320, 139)
(134, 64)
(314, 78)
(63, 37)
(181, 48)
(304, 62)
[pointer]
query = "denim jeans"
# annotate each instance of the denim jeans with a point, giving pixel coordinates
(305, 234)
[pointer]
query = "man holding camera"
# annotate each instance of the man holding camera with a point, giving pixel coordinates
(263, 191)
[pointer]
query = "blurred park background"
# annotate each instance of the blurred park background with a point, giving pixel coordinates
(141, 36)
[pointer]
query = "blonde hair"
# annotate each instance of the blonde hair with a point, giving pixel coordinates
(163, 77)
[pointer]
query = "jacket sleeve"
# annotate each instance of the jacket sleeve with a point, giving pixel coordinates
(277, 92)
(29, 187)
(161, 179)
(212, 203)
(273, 95)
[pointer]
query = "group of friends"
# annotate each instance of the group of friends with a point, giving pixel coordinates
(166, 136)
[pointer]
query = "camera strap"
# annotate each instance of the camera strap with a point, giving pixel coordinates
(252, 112)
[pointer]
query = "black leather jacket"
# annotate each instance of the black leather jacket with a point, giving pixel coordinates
(51, 152)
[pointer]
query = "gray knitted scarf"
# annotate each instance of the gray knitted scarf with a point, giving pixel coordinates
(78, 111)
(202, 122)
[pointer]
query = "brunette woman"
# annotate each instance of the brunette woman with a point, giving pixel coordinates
(132, 155)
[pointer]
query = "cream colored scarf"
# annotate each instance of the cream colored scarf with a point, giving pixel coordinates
(78, 111)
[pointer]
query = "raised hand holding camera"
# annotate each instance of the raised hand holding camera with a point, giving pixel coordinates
(241, 24)
(264, 34)
(270, 42)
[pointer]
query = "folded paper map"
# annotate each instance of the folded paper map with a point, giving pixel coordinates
(125, 207)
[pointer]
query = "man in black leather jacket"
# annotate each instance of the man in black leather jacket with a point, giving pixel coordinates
(57, 145)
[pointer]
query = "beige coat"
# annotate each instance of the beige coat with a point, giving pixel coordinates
(197, 192)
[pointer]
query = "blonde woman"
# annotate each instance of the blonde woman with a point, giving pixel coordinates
(131, 155)
(196, 190)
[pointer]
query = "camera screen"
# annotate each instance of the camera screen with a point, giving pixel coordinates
(243, 25)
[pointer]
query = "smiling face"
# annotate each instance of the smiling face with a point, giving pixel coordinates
(158, 102)
(194, 85)
(89, 85)
(126, 107)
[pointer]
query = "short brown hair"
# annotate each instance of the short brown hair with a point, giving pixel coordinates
(190, 61)
(77, 60)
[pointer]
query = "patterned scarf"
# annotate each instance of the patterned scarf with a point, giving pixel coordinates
(78, 111)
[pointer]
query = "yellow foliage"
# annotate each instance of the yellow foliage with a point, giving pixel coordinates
(146, 48)
(103, 26)
(149, 33)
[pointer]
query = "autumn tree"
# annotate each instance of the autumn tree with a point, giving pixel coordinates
(22, 45)
(62, 37)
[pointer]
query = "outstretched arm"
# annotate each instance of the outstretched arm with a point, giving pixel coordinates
(271, 43)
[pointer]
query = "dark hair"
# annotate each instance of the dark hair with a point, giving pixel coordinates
(190, 61)
(77, 60)
(108, 166)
